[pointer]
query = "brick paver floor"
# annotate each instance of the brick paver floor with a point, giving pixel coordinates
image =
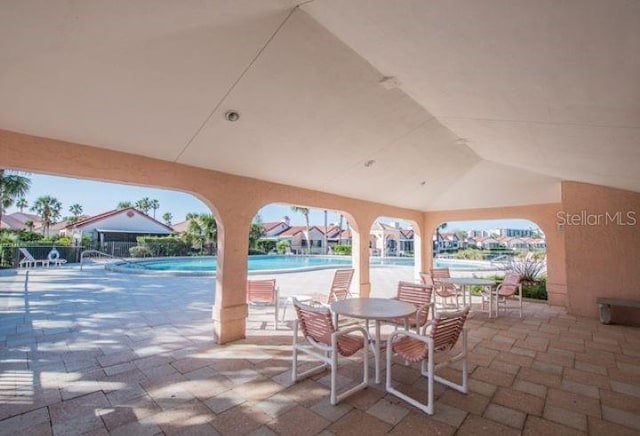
(95, 352)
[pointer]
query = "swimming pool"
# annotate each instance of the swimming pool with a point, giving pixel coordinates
(206, 265)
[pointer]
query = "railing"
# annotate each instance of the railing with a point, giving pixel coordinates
(96, 254)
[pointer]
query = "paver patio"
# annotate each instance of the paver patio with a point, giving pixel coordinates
(95, 352)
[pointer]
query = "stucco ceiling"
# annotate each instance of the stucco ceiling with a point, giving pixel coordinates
(459, 103)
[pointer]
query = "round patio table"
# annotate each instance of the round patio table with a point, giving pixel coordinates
(377, 309)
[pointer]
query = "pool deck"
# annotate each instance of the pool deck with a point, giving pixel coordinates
(95, 352)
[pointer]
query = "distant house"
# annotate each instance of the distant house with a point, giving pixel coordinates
(273, 229)
(19, 221)
(484, 243)
(385, 239)
(445, 242)
(117, 226)
(181, 227)
(517, 244)
(536, 244)
(296, 237)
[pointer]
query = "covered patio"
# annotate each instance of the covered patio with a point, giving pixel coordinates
(422, 111)
(92, 351)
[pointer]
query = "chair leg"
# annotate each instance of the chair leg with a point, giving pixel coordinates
(426, 368)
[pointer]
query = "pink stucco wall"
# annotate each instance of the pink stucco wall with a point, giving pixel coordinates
(602, 238)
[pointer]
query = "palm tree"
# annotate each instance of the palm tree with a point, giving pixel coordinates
(305, 212)
(340, 228)
(144, 205)
(124, 205)
(202, 230)
(167, 217)
(209, 228)
(48, 208)
(256, 231)
(22, 203)
(155, 205)
(12, 186)
(76, 211)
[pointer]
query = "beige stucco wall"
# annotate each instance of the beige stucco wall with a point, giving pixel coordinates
(544, 215)
(603, 252)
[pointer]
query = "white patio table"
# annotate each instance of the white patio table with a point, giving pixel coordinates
(466, 282)
(377, 309)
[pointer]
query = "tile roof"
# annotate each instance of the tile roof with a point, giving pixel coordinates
(115, 212)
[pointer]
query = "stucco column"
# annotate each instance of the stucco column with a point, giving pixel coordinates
(230, 307)
(360, 228)
(426, 247)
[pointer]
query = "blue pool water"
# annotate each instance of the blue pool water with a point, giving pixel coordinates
(207, 265)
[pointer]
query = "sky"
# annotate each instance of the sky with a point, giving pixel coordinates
(99, 197)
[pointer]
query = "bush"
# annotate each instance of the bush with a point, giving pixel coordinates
(283, 247)
(266, 245)
(342, 250)
(161, 246)
(536, 290)
(470, 254)
(253, 251)
(529, 269)
(140, 251)
(6, 257)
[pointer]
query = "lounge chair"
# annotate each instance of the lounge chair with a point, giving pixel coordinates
(325, 342)
(263, 292)
(438, 337)
(339, 289)
(29, 261)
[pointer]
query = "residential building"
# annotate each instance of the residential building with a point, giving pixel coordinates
(19, 221)
(116, 229)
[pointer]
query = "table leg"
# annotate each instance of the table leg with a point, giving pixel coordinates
(376, 351)
(494, 296)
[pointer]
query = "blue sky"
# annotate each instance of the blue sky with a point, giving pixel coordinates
(98, 197)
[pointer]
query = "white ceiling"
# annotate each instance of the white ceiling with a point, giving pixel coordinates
(491, 103)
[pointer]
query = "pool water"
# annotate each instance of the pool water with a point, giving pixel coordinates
(275, 263)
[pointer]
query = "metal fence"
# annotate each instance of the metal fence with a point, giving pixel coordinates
(117, 249)
(10, 255)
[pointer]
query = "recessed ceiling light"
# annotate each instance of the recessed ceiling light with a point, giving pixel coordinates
(232, 116)
(369, 163)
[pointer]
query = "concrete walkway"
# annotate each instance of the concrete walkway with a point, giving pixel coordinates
(96, 353)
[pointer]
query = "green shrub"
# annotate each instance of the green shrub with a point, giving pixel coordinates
(536, 290)
(342, 250)
(140, 251)
(253, 251)
(161, 246)
(7, 257)
(266, 245)
(470, 254)
(283, 246)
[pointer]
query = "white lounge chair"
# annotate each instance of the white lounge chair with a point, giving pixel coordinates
(29, 261)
